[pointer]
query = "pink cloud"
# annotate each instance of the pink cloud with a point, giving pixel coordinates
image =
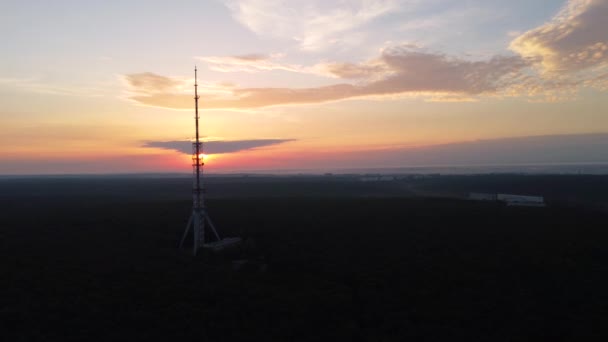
(400, 70)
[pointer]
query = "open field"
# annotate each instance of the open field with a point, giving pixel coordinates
(96, 259)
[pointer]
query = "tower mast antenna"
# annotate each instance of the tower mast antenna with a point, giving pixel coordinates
(199, 216)
(197, 151)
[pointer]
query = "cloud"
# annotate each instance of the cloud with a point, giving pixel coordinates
(253, 63)
(151, 83)
(250, 63)
(251, 57)
(574, 40)
(413, 70)
(216, 146)
(366, 71)
(314, 24)
(553, 62)
(399, 70)
(570, 52)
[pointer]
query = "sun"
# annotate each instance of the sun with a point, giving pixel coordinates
(205, 157)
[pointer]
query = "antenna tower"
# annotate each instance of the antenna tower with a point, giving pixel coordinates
(199, 216)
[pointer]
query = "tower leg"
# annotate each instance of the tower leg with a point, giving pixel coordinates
(198, 227)
(197, 221)
(188, 226)
(198, 234)
(217, 236)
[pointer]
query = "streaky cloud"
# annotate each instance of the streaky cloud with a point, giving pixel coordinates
(216, 146)
(148, 82)
(553, 62)
(250, 63)
(251, 57)
(399, 70)
(313, 25)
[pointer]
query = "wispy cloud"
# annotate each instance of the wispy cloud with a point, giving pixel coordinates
(399, 70)
(250, 63)
(216, 146)
(314, 24)
(254, 63)
(553, 62)
(150, 83)
(152, 89)
(367, 71)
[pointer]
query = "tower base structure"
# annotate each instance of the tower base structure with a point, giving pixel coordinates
(199, 220)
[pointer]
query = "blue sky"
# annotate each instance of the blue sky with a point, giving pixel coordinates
(43, 37)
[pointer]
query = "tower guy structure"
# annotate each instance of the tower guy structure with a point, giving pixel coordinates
(199, 219)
